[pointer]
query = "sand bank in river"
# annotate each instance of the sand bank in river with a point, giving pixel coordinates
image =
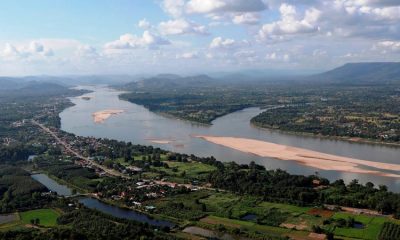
(101, 116)
(305, 157)
(160, 141)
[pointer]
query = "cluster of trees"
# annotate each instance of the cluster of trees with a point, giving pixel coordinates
(278, 185)
(18, 191)
(365, 112)
(16, 152)
(68, 171)
(95, 225)
(85, 224)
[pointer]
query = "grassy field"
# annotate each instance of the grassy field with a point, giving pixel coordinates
(250, 227)
(285, 207)
(371, 230)
(47, 217)
(190, 169)
(211, 209)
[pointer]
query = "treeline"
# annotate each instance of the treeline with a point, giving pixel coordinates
(364, 112)
(280, 186)
(18, 191)
(83, 178)
(95, 225)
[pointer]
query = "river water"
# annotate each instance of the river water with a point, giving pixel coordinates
(140, 126)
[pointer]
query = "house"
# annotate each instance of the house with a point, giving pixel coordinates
(150, 208)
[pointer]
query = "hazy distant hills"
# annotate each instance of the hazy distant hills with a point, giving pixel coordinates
(349, 74)
(10, 83)
(171, 81)
(17, 88)
(361, 73)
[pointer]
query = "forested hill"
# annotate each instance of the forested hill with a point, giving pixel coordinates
(163, 81)
(17, 89)
(362, 73)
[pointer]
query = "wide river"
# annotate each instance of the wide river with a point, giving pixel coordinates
(140, 126)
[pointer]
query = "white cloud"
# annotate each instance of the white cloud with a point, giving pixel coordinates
(387, 46)
(188, 55)
(221, 43)
(290, 23)
(214, 6)
(31, 50)
(10, 51)
(246, 18)
(283, 57)
(129, 41)
(144, 24)
(180, 27)
(86, 51)
(173, 7)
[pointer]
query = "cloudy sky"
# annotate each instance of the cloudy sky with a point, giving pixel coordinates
(193, 36)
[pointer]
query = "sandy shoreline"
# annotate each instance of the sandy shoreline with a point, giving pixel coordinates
(101, 116)
(305, 157)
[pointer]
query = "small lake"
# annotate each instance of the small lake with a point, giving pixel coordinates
(52, 185)
(140, 126)
(123, 213)
(249, 217)
(100, 206)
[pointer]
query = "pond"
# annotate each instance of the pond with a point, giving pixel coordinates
(123, 213)
(52, 185)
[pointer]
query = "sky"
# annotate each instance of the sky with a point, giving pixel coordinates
(47, 37)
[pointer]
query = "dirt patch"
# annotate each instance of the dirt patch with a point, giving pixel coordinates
(320, 212)
(317, 236)
(300, 226)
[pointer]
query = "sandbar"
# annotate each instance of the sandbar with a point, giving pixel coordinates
(302, 156)
(101, 116)
(159, 141)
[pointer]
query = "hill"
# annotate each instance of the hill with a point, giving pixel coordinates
(34, 89)
(371, 73)
(169, 81)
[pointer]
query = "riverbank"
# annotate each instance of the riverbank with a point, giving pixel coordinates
(304, 157)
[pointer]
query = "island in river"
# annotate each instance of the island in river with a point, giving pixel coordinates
(102, 116)
(302, 156)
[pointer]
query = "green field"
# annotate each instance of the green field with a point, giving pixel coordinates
(47, 217)
(190, 169)
(371, 230)
(251, 228)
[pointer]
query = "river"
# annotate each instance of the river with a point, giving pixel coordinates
(140, 126)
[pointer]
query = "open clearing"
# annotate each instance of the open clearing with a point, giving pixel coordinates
(47, 217)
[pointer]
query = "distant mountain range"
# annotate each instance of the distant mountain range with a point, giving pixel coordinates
(348, 74)
(372, 73)
(361, 73)
(170, 81)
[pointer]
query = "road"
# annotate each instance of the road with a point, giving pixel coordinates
(69, 149)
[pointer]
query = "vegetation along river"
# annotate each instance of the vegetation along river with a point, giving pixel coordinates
(140, 126)
(100, 206)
